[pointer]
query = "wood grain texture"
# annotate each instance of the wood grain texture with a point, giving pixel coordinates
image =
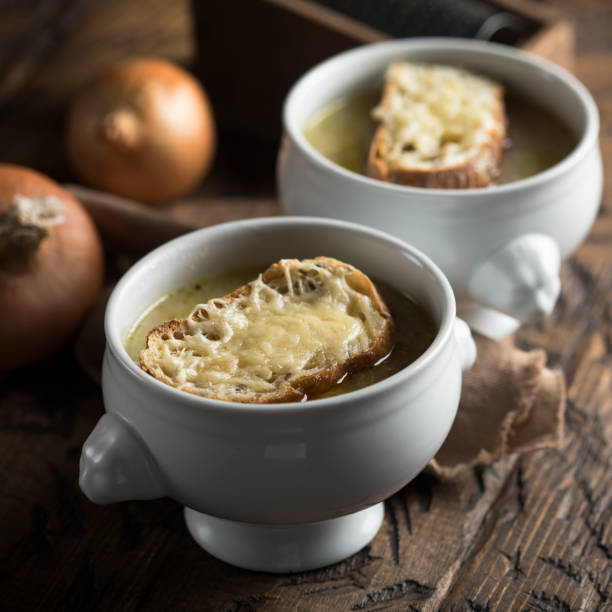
(533, 533)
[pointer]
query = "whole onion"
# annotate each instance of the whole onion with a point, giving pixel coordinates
(51, 266)
(144, 130)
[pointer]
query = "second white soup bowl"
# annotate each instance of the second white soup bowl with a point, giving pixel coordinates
(500, 246)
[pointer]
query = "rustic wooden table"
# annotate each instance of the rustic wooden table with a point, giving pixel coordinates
(528, 533)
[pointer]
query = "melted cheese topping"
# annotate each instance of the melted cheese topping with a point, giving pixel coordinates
(294, 325)
(437, 115)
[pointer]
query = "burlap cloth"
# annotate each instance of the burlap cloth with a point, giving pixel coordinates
(510, 401)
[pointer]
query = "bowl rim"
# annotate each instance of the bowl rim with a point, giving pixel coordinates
(473, 195)
(198, 237)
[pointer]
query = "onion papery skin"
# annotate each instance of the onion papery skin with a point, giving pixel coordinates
(44, 297)
(142, 130)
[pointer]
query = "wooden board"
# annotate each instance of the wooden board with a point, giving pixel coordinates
(533, 533)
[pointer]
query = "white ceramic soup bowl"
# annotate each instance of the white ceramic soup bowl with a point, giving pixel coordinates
(499, 246)
(275, 487)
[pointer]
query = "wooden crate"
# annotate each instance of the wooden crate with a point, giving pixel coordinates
(250, 52)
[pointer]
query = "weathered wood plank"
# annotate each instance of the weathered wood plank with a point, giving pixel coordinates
(533, 534)
(555, 551)
(38, 41)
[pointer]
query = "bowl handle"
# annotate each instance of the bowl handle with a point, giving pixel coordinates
(116, 465)
(521, 278)
(465, 343)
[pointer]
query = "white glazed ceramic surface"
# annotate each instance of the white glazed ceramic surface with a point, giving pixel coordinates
(500, 246)
(274, 464)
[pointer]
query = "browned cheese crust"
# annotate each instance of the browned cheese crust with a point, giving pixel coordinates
(479, 171)
(290, 388)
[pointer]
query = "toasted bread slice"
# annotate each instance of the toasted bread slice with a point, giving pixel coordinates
(439, 127)
(293, 332)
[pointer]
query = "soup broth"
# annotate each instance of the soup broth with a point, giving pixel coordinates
(416, 330)
(537, 139)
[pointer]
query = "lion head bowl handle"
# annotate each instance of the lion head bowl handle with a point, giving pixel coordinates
(521, 278)
(116, 465)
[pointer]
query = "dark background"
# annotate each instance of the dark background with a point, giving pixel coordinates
(529, 533)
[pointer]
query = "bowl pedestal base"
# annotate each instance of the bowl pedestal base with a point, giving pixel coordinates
(285, 548)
